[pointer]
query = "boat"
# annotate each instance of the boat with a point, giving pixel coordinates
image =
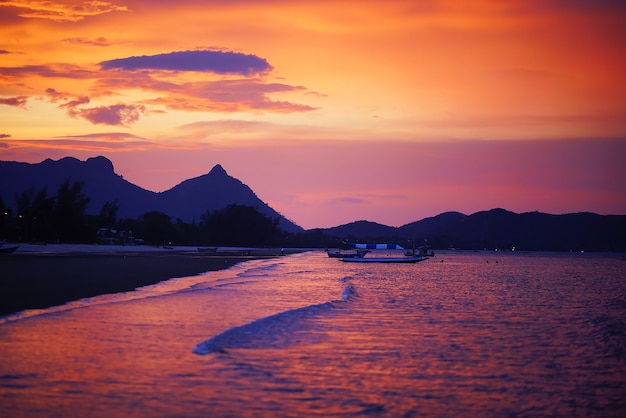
(408, 256)
(375, 246)
(343, 254)
(8, 250)
(421, 252)
(207, 249)
(386, 259)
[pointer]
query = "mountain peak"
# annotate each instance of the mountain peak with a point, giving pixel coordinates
(187, 201)
(100, 163)
(49, 162)
(218, 170)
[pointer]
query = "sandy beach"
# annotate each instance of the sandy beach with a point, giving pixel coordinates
(40, 276)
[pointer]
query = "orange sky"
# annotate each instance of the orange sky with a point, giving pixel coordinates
(331, 111)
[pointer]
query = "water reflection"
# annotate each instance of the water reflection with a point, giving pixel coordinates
(528, 335)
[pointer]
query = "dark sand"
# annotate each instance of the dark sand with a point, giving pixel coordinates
(31, 281)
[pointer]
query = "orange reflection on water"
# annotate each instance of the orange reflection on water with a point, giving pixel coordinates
(464, 337)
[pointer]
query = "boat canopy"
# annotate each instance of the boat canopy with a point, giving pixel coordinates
(376, 246)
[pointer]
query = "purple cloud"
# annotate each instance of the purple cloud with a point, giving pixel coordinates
(220, 62)
(19, 101)
(75, 103)
(120, 114)
(92, 42)
(229, 96)
(62, 11)
(53, 71)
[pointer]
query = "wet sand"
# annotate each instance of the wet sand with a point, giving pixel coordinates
(31, 279)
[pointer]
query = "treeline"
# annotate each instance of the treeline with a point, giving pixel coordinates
(42, 218)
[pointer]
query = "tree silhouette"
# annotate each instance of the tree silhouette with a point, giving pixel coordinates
(240, 225)
(6, 217)
(69, 212)
(42, 209)
(156, 228)
(108, 213)
(24, 202)
(34, 214)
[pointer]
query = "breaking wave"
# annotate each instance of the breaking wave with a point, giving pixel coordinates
(275, 331)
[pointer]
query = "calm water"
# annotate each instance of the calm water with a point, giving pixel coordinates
(479, 334)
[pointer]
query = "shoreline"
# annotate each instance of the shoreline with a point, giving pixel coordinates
(41, 276)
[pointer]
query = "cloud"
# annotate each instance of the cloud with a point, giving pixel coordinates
(171, 80)
(120, 114)
(228, 96)
(219, 62)
(96, 142)
(3, 136)
(231, 95)
(107, 136)
(90, 42)
(62, 11)
(56, 96)
(48, 71)
(226, 125)
(584, 6)
(348, 200)
(72, 104)
(19, 101)
(269, 132)
(111, 141)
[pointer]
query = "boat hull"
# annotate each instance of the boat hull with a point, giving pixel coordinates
(404, 260)
(8, 250)
(207, 249)
(339, 255)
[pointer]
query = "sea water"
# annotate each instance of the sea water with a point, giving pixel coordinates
(462, 334)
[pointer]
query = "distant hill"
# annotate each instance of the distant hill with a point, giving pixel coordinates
(186, 201)
(500, 229)
(362, 230)
(493, 229)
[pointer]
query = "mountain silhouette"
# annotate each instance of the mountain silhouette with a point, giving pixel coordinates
(500, 229)
(187, 201)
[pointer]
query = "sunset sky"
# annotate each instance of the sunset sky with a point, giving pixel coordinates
(331, 111)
